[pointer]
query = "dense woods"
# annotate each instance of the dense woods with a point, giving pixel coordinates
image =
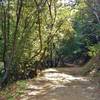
(39, 34)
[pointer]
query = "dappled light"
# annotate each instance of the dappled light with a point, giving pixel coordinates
(49, 50)
(50, 70)
(62, 77)
(52, 80)
(59, 79)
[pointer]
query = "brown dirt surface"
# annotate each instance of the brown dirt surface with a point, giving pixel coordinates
(61, 84)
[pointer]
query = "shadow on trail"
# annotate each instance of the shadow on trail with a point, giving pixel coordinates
(56, 85)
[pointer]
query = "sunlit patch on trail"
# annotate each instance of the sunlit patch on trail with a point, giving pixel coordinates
(51, 80)
(50, 70)
(62, 77)
(34, 87)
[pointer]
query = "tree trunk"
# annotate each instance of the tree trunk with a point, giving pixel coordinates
(6, 76)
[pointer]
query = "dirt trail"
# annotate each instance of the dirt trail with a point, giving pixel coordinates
(58, 84)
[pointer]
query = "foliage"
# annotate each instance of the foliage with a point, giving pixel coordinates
(42, 31)
(13, 91)
(94, 50)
